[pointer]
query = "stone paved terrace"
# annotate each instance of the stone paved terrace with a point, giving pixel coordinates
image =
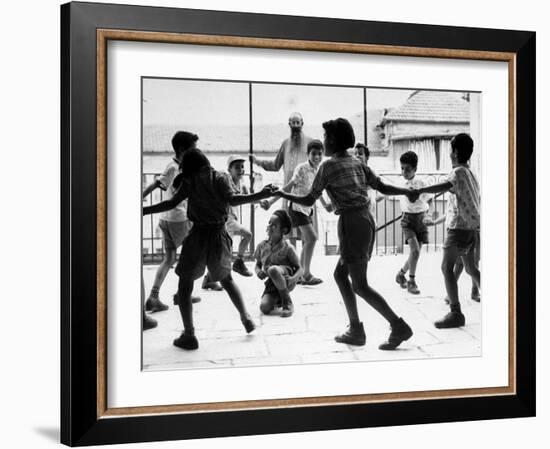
(308, 336)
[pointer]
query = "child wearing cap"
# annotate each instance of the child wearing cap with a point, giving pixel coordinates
(277, 262)
(301, 216)
(235, 169)
(208, 244)
(346, 179)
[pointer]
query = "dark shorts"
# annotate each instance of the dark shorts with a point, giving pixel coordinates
(413, 226)
(299, 218)
(356, 231)
(465, 240)
(174, 232)
(206, 248)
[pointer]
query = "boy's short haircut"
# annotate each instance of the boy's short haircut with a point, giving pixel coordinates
(284, 219)
(192, 161)
(464, 146)
(410, 158)
(342, 132)
(183, 140)
(315, 144)
(365, 148)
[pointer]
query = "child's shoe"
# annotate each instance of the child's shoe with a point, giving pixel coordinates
(354, 335)
(451, 320)
(148, 322)
(248, 324)
(401, 279)
(288, 309)
(240, 267)
(186, 341)
(412, 287)
(475, 295)
(207, 284)
(194, 299)
(400, 332)
(155, 305)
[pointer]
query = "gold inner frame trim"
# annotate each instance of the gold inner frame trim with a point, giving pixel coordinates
(103, 36)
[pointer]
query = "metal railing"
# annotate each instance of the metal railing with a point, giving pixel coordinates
(389, 237)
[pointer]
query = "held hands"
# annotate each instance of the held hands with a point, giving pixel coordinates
(412, 195)
(269, 190)
(261, 274)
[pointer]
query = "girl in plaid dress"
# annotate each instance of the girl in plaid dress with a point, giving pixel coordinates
(346, 180)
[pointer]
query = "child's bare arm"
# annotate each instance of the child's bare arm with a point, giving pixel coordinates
(236, 200)
(390, 189)
(259, 270)
(163, 206)
(266, 204)
(436, 188)
(150, 188)
(294, 261)
(306, 200)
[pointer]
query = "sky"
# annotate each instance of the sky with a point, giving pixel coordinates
(187, 102)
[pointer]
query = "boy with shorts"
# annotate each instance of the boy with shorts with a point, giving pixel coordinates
(235, 168)
(301, 216)
(174, 223)
(462, 222)
(277, 261)
(208, 244)
(415, 231)
(346, 180)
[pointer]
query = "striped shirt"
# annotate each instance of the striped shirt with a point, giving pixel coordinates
(346, 180)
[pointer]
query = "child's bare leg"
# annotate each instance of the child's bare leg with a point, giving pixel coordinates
(459, 266)
(235, 295)
(309, 239)
(276, 274)
(358, 274)
(246, 236)
(341, 276)
(472, 268)
(163, 269)
(414, 255)
(267, 303)
(185, 288)
(450, 256)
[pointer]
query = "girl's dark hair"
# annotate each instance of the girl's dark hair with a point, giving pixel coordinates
(342, 133)
(464, 146)
(284, 219)
(192, 161)
(366, 150)
(182, 140)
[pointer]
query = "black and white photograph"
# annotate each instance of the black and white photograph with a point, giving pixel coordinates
(302, 223)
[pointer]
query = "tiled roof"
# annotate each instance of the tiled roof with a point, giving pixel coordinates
(431, 106)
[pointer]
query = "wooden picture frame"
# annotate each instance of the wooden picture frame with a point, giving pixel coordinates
(86, 29)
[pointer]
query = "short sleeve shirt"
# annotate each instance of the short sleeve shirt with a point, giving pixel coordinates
(179, 213)
(463, 210)
(235, 211)
(346, 180)
(303, 177)
(279, 254)
(421, 204)
(208, 194)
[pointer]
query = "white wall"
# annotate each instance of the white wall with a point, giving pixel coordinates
(29, 335)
